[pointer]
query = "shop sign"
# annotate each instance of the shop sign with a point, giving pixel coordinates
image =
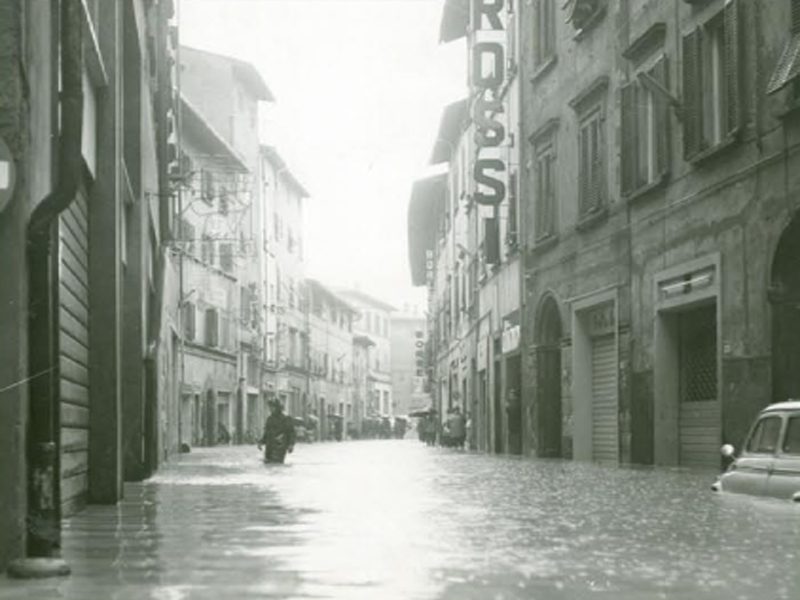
(488, 73)
(602, 320)
(429, 270)
(510, 338)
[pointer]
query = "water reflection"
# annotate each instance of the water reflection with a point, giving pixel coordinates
(398, 520)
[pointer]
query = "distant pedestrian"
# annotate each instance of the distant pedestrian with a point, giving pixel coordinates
(457, 428)
(279, 435)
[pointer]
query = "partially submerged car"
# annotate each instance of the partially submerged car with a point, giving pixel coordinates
(769, 463)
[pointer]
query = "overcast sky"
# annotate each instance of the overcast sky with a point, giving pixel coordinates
(360, 86)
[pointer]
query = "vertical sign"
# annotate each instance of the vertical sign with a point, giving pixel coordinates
(487, 76)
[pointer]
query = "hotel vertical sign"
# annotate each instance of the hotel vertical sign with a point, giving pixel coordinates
(487, 76)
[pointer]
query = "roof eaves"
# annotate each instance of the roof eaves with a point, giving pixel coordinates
(208, 130)
(283, 169)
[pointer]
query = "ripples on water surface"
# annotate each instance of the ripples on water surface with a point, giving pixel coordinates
(398, 520)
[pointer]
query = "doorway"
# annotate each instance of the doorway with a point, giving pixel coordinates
(784, 297)
(548, 379)
(498, 408)
(514, 403)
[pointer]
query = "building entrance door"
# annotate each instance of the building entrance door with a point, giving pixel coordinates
(514, 404)
(699, 415)
(498, 408)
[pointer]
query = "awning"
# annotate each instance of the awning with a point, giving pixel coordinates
(427, 200)
(455, 20)
(454, 118)
(788, 66)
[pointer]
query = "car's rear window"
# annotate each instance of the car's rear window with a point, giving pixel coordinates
(765, 436)
(791, 443)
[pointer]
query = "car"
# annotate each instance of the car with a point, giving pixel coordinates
(769, 463)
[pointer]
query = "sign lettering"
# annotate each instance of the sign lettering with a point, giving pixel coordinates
(487, 77)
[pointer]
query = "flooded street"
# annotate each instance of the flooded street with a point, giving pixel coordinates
(394, 519)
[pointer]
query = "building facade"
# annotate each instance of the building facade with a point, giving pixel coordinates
(471, 260)
(207, 262)
(226, 93)
(657, 213)
(374, 321)
(286, 318)
(329, 355)
(87, 365)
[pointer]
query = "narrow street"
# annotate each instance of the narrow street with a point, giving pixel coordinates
(395, 519)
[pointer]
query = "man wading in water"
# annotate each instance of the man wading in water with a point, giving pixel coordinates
(278, 437)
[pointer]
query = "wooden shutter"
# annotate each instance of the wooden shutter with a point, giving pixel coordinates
(733, 107)
(512, 210)
(795, 17)
(226, 257)
(212, 327)
(584, 168)
(660, 73)
(629, 137)
(189, 325)
(692, 108)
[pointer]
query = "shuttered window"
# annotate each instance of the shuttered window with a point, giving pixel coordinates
(545, 173)
(545, 31)
(591, 162)
(207, 186)
(226, 257)
(645, 130)
(212, 327)
(189, 324)
(711, 82)
(188, 233)
(512, 230)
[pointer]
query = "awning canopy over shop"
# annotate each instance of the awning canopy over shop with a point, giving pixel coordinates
(455, 20)
(427, 202)
(453, 122)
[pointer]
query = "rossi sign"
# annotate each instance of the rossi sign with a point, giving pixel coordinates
(487, 75)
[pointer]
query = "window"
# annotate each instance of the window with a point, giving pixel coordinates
(207, 249)
(791, 442)
(224, 202)
(207, 186)
(711, 82)
(512, 231)
(645, 129)
(212, 327)
(545, 188)
(187, 236)
(226, 257)
(585, 14)
(545, 31)
(764, 439)
(245, 299)
(591, 162)
(788, 66)
(189, 324)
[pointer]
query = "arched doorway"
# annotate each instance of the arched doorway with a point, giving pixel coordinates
(548, 334)
(784, 295)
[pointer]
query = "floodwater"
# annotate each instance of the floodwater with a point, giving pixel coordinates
(395, 519)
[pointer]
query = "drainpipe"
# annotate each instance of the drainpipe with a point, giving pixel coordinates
(44, 511)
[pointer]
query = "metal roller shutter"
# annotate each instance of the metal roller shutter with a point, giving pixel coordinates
(605, 422)
(74, 354)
